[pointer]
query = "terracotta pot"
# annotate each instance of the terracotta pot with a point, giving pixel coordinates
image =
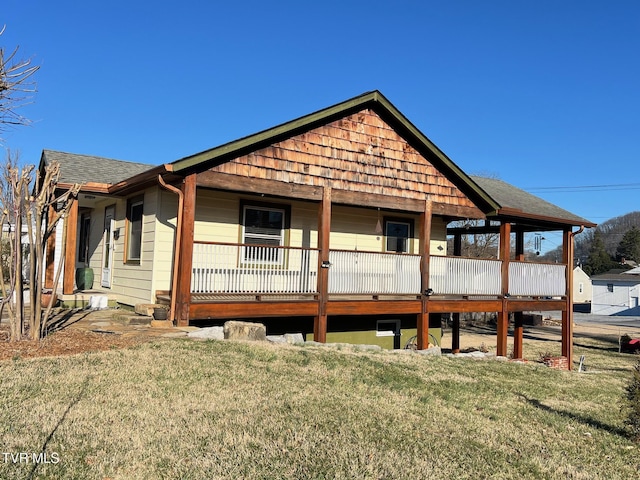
(48, 299)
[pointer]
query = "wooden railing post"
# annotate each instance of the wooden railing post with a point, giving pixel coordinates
(425, 245)
(503, 314)
(324, 229)
(183, 293)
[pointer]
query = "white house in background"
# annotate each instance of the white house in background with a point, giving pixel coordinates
(582, 288)
(616, 292)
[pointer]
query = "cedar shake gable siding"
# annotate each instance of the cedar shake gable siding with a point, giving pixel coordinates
(359, 153)
(371, 134)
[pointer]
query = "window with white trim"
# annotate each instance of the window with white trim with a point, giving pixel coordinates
(262, 227)
(135, 208)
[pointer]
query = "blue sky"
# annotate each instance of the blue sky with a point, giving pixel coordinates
(541, 94)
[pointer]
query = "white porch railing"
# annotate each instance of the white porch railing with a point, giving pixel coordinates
(231, 268)
(465, 276)
(537, 279)
(354, 272)
(221, 268)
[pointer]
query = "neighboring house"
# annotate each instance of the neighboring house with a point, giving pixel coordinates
(616, 292)
(582, 289)
(334, 224)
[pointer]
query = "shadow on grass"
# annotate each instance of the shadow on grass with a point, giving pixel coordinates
(73, 403)
(588, 421)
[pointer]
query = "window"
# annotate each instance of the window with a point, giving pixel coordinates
(263, 226)
(581, 287)
(610, 287)
(134, 230)
(83, 248)
(398, 233)
(387, 328)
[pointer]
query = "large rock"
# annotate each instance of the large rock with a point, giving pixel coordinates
(210, 333)
(235, 330)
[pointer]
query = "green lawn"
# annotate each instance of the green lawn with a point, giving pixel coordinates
(206, 410)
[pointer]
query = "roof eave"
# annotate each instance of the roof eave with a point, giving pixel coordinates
(137, 182)
(516, 213)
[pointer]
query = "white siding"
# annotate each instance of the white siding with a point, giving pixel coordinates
(617, 302)
(581, 279)
(165, 231)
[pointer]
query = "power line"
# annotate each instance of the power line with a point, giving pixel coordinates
(586, 188)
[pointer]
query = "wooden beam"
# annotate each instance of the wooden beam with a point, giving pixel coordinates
(259, 186)
(455, 328)
(567, 314)
(503, 313)
(222, 310)
(239, 183)
(425, 247)
(525, 305)
(324, 230)
(373, 307)
(455, 333)
(518, 323)
(50, 254)
(68, 278)
(183, 287)
(503, 329)
(463, 306)
(518, 334)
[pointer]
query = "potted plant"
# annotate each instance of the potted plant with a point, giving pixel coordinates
(48, 297)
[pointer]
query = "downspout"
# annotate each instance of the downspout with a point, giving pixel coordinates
(176, 255)
(580, 230)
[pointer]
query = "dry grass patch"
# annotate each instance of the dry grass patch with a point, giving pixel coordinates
(184, 409)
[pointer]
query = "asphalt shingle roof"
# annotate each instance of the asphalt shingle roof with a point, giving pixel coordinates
(81, 169)
(508, 196)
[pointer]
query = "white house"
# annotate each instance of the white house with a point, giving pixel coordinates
(582, 288)
(616, 292)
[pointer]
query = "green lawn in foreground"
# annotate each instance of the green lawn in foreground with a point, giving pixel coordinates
(204, 410)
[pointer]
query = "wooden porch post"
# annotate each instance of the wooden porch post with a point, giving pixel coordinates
(518, 316)
(183, 290)
(455, 328)
(50, 254)
(68, 278)
(324, 229)
(425, 245)
(503, 314)
(567, 314)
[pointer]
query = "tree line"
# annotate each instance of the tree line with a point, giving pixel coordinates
(613, 244)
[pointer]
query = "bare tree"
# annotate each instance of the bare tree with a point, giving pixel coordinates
(27, 197)
(32, 200)
(17, 86)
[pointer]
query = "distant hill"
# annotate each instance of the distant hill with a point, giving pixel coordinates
(611, 231)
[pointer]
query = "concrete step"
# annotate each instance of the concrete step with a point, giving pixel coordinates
(128, 318)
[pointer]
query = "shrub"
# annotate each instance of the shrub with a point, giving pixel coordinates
(633, 403)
